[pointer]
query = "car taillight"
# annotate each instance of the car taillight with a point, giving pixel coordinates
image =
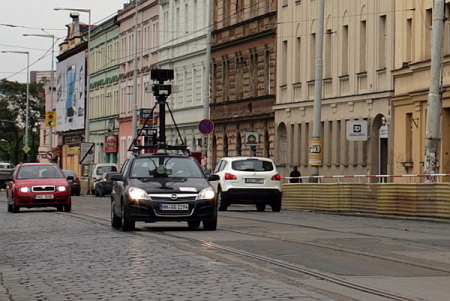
(77, 180)
(229, 176)
(276, 177)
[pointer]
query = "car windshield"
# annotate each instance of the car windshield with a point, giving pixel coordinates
(252, 165)
(165, 167)
(39, 171)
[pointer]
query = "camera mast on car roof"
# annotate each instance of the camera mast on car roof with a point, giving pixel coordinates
(161, 90)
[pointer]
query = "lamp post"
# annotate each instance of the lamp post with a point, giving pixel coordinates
(86, 109)
(51, 77)
(26, 148)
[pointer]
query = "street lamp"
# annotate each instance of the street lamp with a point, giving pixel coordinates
(86, 109)
(51, 76)
(26, 148)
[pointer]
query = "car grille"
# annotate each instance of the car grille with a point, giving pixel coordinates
(45, 188)
(173, 197)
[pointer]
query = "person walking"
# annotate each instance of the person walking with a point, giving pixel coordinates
(295, 173)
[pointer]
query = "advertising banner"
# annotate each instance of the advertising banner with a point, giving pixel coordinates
(70, 93)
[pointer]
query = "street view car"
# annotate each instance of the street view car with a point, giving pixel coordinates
(162, 187)
(104, 185)
(74, 182)
(248, 180)
(38, 185)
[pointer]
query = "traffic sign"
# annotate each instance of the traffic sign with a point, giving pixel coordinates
(206, 126)
(50, 155)
(26, 149)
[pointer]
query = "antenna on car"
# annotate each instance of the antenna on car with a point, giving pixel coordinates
(161, 90)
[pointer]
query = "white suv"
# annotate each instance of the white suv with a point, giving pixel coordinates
(248, 180)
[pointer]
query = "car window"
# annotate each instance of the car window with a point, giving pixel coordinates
(165, 167)
(218, 167)
(105, 169)
(252, 165)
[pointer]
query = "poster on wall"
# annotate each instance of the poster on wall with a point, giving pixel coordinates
(70, 91)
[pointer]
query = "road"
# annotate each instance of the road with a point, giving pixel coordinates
(290, 255)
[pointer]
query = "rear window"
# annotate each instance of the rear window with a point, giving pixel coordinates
(104, 169)
(252, 165)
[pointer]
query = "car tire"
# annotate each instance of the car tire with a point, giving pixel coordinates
(210, 225)
(194, 224)
(260, 207)
(101, 193)
(60, 207)
(68, 208)
(97, 191)
(15, 208)
(116, 222)
(276, 206)
(10, 208)
(223, 204)
(126, 224)
(77, 193)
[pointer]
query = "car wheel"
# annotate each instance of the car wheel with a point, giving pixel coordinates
(126, 224)
(15, 208)
(60, 207)
(77, 193)
(223, 204)
(68, 208)
(260, 207)
(101, 193)
(276, 206)
(194, 224)
(116, 222)
(97, 191)
(210, 225)
(10, 208)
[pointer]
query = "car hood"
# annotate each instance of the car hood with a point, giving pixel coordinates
(179, 185)
(41, 182)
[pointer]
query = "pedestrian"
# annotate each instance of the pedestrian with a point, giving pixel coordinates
(295, 174)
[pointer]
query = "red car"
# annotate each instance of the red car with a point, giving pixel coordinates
(38, 185)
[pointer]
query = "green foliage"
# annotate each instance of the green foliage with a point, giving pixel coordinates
(13, 103)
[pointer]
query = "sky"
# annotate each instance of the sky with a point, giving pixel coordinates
(39, 17)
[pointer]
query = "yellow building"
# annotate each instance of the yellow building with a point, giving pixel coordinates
(358, 57)
(413, 32)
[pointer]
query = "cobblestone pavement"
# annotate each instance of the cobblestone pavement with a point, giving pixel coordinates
(49, 255)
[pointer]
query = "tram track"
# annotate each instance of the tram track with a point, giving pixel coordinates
(212, 250)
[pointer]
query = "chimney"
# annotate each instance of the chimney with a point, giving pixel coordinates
(75, 24)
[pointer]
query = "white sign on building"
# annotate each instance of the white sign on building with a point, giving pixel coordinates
(357, 130)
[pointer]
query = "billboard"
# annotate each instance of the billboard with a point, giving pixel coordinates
(70, 91)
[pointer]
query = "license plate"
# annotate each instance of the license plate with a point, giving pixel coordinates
(173, 206)
(254, 181)
(44, 196)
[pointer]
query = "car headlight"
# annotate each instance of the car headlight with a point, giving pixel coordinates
(137, 193)
(207, 194)
(25, 189)
(61, 188)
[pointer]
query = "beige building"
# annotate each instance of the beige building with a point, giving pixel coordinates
(413, 32)
(358, 58)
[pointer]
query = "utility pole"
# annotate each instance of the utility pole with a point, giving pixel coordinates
(135, 74)
(434, 105)
(316, 142)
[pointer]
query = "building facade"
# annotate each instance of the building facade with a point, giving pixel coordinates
(184, 27)
(132, 95)
(358, 50)
(243, 81)
(414, 29)
(103, 106)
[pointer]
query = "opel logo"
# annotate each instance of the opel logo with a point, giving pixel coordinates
(173, 197)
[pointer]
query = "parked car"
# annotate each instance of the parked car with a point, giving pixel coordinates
(5, 172)
(248, 180)
(38, 185)
(104, 186)
(97, 172)
(162, 187)
(73, 181)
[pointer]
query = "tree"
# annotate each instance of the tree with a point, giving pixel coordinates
(13, 104)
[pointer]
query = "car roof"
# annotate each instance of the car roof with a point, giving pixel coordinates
(150, 155)
(246, 158)
(37, 164)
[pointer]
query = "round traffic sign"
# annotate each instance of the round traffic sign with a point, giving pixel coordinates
(50, 155)
(206, 126)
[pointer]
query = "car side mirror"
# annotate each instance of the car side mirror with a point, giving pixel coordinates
(117, 177)
(213, 178)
